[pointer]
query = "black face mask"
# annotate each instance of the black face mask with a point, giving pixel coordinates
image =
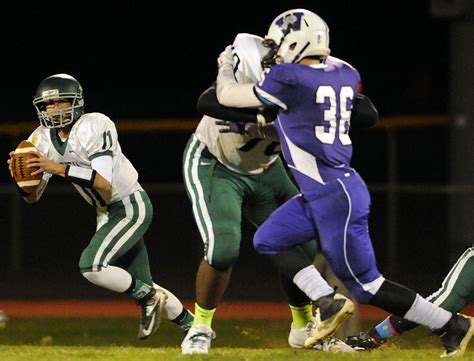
(270, 58)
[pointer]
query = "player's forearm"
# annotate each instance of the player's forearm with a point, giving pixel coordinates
(209, 105)
(232, 94)
(101, 183)
(58, 169)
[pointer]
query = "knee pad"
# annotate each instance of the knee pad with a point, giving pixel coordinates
(224, 261)
(261, 245)
(226, 250)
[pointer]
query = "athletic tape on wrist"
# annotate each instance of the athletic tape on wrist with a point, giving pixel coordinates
(81, 176)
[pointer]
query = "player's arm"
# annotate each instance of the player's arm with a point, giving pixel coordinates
(86, 177)
(364, 114)
(228, 91)
(209, 105)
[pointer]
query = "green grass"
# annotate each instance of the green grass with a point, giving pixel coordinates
(58, 339)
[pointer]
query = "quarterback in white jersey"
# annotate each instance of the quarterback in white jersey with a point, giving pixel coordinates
(229, 175)
(92, 144)
(84, 149)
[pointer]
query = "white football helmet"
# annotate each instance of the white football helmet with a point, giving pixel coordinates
(296, 34)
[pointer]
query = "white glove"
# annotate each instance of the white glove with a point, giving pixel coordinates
(226, 58)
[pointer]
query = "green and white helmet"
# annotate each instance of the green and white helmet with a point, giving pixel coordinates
(59, 87)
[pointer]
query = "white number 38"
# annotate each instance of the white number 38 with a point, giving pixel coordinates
(328, 136)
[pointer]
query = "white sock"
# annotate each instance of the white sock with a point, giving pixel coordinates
(173, 306)
(310, 281)
(111, 277)
(425, 313)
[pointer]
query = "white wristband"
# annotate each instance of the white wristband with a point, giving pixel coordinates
(81, 176)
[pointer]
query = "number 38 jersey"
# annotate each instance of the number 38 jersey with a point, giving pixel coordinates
(316, 103)
(92, 136)
(238, 152)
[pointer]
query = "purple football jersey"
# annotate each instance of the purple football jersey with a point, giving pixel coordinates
(314, 120)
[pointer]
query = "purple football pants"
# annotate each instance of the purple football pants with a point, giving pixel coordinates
(338, 212)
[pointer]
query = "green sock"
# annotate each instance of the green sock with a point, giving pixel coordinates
(140, 290)
(301, 315)
(184, 320)
(202, 316)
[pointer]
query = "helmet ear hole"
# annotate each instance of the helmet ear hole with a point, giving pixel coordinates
(292, 46)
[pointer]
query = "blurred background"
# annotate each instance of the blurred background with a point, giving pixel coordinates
(145, 68)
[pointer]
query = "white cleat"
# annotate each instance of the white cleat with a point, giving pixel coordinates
(330, 319)
(298, 336)
(333, 345)
(198, 340)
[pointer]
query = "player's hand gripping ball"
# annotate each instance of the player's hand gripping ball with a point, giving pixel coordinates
(22, 174)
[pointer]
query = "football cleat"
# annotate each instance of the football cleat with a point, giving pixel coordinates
(332, 311)
(298, 336)
(456, 334)
(333, 344)
(152, 306)
(365, 341)
(198, 340)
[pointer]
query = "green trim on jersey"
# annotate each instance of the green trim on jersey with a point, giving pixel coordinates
(100, 154)
(57, 142)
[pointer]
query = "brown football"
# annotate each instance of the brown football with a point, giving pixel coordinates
(27, 182)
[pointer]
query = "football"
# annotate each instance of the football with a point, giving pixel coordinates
(27, 182)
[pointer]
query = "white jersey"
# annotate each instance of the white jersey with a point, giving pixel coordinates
(238, 152)
(92, 136)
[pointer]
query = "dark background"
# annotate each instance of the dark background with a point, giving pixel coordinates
(137, 62)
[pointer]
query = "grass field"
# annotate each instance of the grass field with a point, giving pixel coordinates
(114, 338)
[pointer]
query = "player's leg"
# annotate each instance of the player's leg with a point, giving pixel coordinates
(279, 239)
(456, 291)
(175, 311)
(136, 262)
(274, 187)
(216, 198)
(341, 214)
(123, 232)
(222, 253)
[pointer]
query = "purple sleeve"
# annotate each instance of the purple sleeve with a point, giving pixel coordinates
(276, 85)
